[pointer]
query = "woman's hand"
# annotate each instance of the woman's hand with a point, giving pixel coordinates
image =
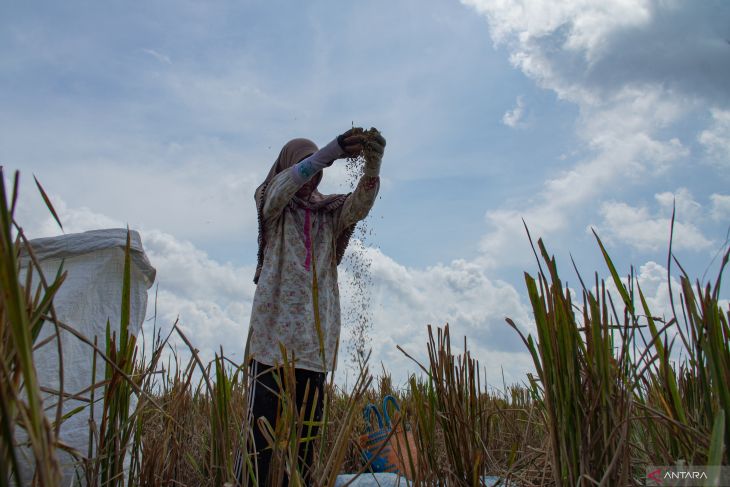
(374, 148)
(373, 152)
(351, 142)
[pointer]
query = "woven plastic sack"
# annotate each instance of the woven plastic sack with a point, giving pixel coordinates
(391, 452)
(373, 441)
(90, 295)
(401, 451)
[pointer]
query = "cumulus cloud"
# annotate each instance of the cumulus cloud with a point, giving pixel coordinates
(639, 227)
(635, 226)
(586, 49)
(682, 202)
(652, 278)
(660, 289)
(74, 220)
(211, 300)
(514, 118)
(206, 197)
(716, 139)
(624, 150)
(633, 71)
(720, 207)
(405, 300)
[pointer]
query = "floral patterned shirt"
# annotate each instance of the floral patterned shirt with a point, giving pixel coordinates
(299, 242)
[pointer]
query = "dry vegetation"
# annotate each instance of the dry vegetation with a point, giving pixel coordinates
(611, 394)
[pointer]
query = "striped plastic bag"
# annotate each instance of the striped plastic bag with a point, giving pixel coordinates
(402, 445)
(372, 442)
(396, 454)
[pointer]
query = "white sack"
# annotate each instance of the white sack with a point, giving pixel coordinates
(90, 295)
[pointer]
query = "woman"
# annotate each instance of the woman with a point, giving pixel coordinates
(302, 238)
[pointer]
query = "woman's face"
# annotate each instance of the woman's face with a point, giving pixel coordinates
(308, 188)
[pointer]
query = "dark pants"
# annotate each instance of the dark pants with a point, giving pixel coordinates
(263, 401)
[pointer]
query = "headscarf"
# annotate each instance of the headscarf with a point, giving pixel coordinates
(293, 152)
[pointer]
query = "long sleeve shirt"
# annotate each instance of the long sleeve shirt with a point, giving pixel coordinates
(300, 241)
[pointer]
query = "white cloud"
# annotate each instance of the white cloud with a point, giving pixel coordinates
(653, 281)
(74, 220)
(513, 118)
(716, 139)
(405, 300)
(211, 299)
(720, 207)
(624, 149)
(157, 55)
(682, 201)
(639, 227)
(631, 69)
(652, 278)
(659, 290)
(584, 25)
(546, 38)
(188, 271)
(196, 189)
(588, 48)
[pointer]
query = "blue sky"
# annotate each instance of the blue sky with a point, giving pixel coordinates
(571, 115)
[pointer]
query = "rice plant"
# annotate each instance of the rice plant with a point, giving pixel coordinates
(23, 312)
(584, 382)
(614, 402)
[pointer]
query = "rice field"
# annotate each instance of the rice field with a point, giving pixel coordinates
(611, 394)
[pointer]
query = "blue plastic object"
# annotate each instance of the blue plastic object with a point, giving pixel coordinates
(374, 440)
(367, 413)
(386, 400)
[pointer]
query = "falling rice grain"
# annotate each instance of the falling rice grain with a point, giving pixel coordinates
(358, 315)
